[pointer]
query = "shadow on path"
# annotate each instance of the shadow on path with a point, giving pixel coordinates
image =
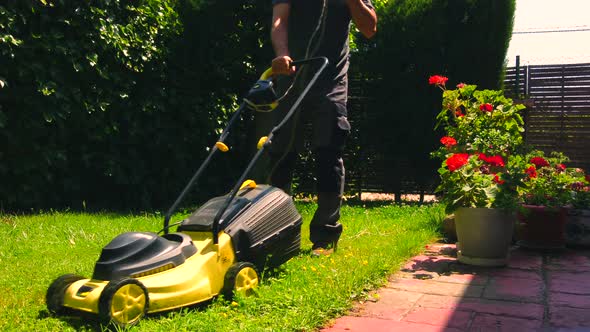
(434, 292)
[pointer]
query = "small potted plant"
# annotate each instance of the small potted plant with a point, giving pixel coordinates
(479, 172)
(577, 226)
(548, 191)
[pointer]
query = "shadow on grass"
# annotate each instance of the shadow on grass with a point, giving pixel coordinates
(75, 319)
(79, 320)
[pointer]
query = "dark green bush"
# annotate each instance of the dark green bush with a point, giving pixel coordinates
(113, 102)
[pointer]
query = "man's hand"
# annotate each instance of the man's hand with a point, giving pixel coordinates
(364, 17)
(281, 65)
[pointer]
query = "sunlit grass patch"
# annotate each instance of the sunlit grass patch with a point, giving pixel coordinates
(301, 295)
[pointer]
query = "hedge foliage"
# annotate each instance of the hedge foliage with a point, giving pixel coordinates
(112, 103)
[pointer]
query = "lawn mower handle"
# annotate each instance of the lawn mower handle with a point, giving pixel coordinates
(197, 174)
(233, 193)
(268, 73)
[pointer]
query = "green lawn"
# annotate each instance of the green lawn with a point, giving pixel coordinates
(304, 294)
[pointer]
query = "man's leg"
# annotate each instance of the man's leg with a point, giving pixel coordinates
(330, 130)
(325, 229)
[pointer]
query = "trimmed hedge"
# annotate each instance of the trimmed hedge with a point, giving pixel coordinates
(112, 103)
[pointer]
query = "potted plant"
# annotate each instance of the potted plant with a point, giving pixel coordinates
(479, 172)
(547, 193)
(577, 225)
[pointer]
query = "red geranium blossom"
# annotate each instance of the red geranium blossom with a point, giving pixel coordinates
(492, 160)
(486, 107)
(531, 171)
(437, 80)
(448, 141)
(497, 179)
(560, 167)
(539, 162)
(457, 161)
(459, 113)
(460, 85)
(496, 161)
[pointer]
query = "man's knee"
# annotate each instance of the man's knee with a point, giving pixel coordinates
(331, 126)
(329, 170)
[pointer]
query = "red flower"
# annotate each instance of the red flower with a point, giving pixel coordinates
(457, 161)
(459, 113)
(437, 80)
(539, 162)
(493, 160)
(460, 85)
(531, 171)
(496, 161)
(560, 168)
(486, 107)
(448, 141)
(497, 179)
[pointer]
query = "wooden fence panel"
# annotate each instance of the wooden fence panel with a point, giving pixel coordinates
(559, 119)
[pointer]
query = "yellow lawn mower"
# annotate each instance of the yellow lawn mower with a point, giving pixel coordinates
(216, 250)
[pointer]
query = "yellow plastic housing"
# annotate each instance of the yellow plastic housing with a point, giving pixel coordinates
(249, 184)
(267, 74)
(198, 279)
(261, 142)
(222, 147)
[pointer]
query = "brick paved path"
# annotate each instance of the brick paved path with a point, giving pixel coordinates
(433, 292)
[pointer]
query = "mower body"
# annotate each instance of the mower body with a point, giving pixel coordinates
(141, 272)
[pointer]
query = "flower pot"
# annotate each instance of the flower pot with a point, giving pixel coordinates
(484, 236)
(577, 227)
(541, 227)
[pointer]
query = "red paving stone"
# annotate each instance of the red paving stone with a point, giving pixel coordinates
(471, 279)
(569, 261)
(393, 304)
(516, 273)
(525, 260)
(536, 291)
(439, 317)
(478, 305)
(566, 282)
(486, 322)
(569, 317)
(514, 289)
(569, 300)
(347, 324)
